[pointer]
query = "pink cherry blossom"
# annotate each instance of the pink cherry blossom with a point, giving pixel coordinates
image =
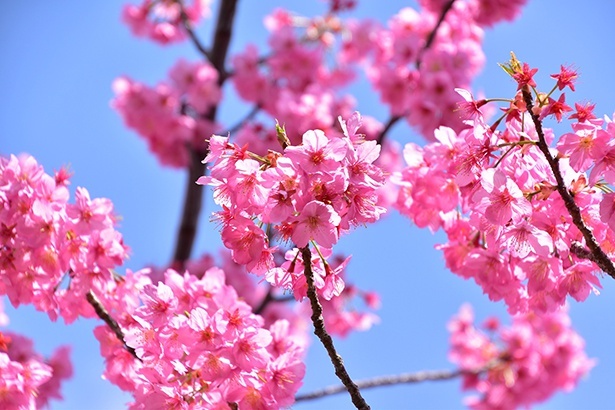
(525, 363)
(501, 198)
(316, 222)
(317, 152)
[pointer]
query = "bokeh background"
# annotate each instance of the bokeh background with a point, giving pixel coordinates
(57, 62)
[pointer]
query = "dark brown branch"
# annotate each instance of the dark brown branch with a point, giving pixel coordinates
(581, 252)
(102, 313)
(188, 27)
(405, 378)
(432, 36)
(270, 298)
(325, 338)
(430, 39)
(387, 127)
(222, 37)
(193, 200)
(193, 197)
(598, 256)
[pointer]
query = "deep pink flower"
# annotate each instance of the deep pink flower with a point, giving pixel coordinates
(525, 76)
(566, 77)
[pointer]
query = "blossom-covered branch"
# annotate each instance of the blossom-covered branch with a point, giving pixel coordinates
(447, 7)
(430, 39)
(325, 338)
(102, 313)
(598, 255)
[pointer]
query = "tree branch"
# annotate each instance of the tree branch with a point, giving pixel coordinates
(193, 197)
(404, 378)
(188, 27)
(418, 377)
(430, 39)
(193, 200)
(249, 116)
(222, 37)
(106, 317)
(392, 121)
(598, 256)
(432, 36)
(325, 338)
(270, 298)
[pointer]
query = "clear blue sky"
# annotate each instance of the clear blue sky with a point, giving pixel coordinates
(58, 60)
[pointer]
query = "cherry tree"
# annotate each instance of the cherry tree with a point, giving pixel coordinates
(522, 210)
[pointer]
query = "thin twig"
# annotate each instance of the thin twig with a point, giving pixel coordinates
(387, 127)
(248, 117)
(430, 39)
(106, 317)
(404, 378)
(325, 338)
(270, 298)
(188, 27)
(260, 61)
(598, 256)
(432, 36)
(193, 197)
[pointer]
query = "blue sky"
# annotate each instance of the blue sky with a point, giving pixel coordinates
(58, 62)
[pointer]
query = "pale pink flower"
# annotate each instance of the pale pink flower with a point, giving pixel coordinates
(317, 152)
(579, 280)
(317, 222)
(523, 239)
(607, 210)
(584, 146)
(244, 239)
(501, 199)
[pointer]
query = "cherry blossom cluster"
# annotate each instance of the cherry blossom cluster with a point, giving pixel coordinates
(495, 194)
(52, 252)
(341, 313)
(310, 193)
(416, 79)
(171, 116)
(485, 12)
(296, 83)
(293, 84)
(162, 20)
(201, 346)
(414, 69)
(517, 366)
(337, 295)
(28, 380)
(270, 303)
(46, 240)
